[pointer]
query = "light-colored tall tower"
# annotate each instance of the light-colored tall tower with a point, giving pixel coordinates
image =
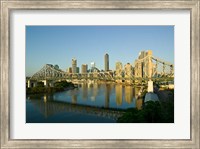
(144, 65)
(74, 65)
(92, 64)
(119, 66)
(84, 68)
(106, 61)
(128, 72)
(138, 67)
(119, 69)
(69, 70)
(149, 64)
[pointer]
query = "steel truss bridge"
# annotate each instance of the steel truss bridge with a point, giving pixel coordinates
(162, 70)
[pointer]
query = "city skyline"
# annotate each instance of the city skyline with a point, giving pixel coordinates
(91, 46)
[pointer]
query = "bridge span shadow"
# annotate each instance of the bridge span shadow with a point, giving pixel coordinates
(52, 108)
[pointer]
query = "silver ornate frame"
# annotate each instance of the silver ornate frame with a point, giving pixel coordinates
(192, 5)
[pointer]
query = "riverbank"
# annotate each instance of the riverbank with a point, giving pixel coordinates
(161, 111)
(58, 87)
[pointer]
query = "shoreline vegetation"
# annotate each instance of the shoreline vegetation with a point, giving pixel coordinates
(161, 111)
(58, 87)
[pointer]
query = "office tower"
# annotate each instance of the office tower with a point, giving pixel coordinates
(77, 69)
(106, 61)
(142, 54)
(69, 70)
(145, 67)
(74, 65)
(128, 72)
(138, 67)
(92, 65)
(119, 68)
(84, 68)
(118, 73)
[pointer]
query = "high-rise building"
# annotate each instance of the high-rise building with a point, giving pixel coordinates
(138, 67)
(119, 69)
(106, 61)
(142, 54)
(92, 65)
(69, 70)
(74, 65)
(128, 72)
(145, 67)
(77, 69)
(84, 68)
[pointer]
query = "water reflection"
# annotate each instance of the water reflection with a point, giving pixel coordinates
(129, 94)
(85, 99)
(139, 100)
(84, 91)
(94, 91)
(45, 98)
(98, 95)
(73, 94)
(139, 103)
(118, 91)
(107, 95)
(59, 112)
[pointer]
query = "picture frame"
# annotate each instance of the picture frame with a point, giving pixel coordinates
(8, 6)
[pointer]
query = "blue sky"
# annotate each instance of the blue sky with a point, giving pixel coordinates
(59, 44)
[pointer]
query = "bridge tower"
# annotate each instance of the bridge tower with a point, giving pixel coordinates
(150, 71)
(150, 64)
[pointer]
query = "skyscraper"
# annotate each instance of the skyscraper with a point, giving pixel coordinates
(128, 72)
(118, 73)
(84, 68)
(69, 70)
(106, 61)
(77, 69)
(92, 65)
(144, 68)
(119, 67)
(74, 65)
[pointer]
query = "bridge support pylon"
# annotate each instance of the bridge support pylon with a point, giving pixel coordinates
(150, 86)
(32, 83)
(48, 83)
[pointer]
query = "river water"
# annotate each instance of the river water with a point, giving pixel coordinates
(89, 103)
